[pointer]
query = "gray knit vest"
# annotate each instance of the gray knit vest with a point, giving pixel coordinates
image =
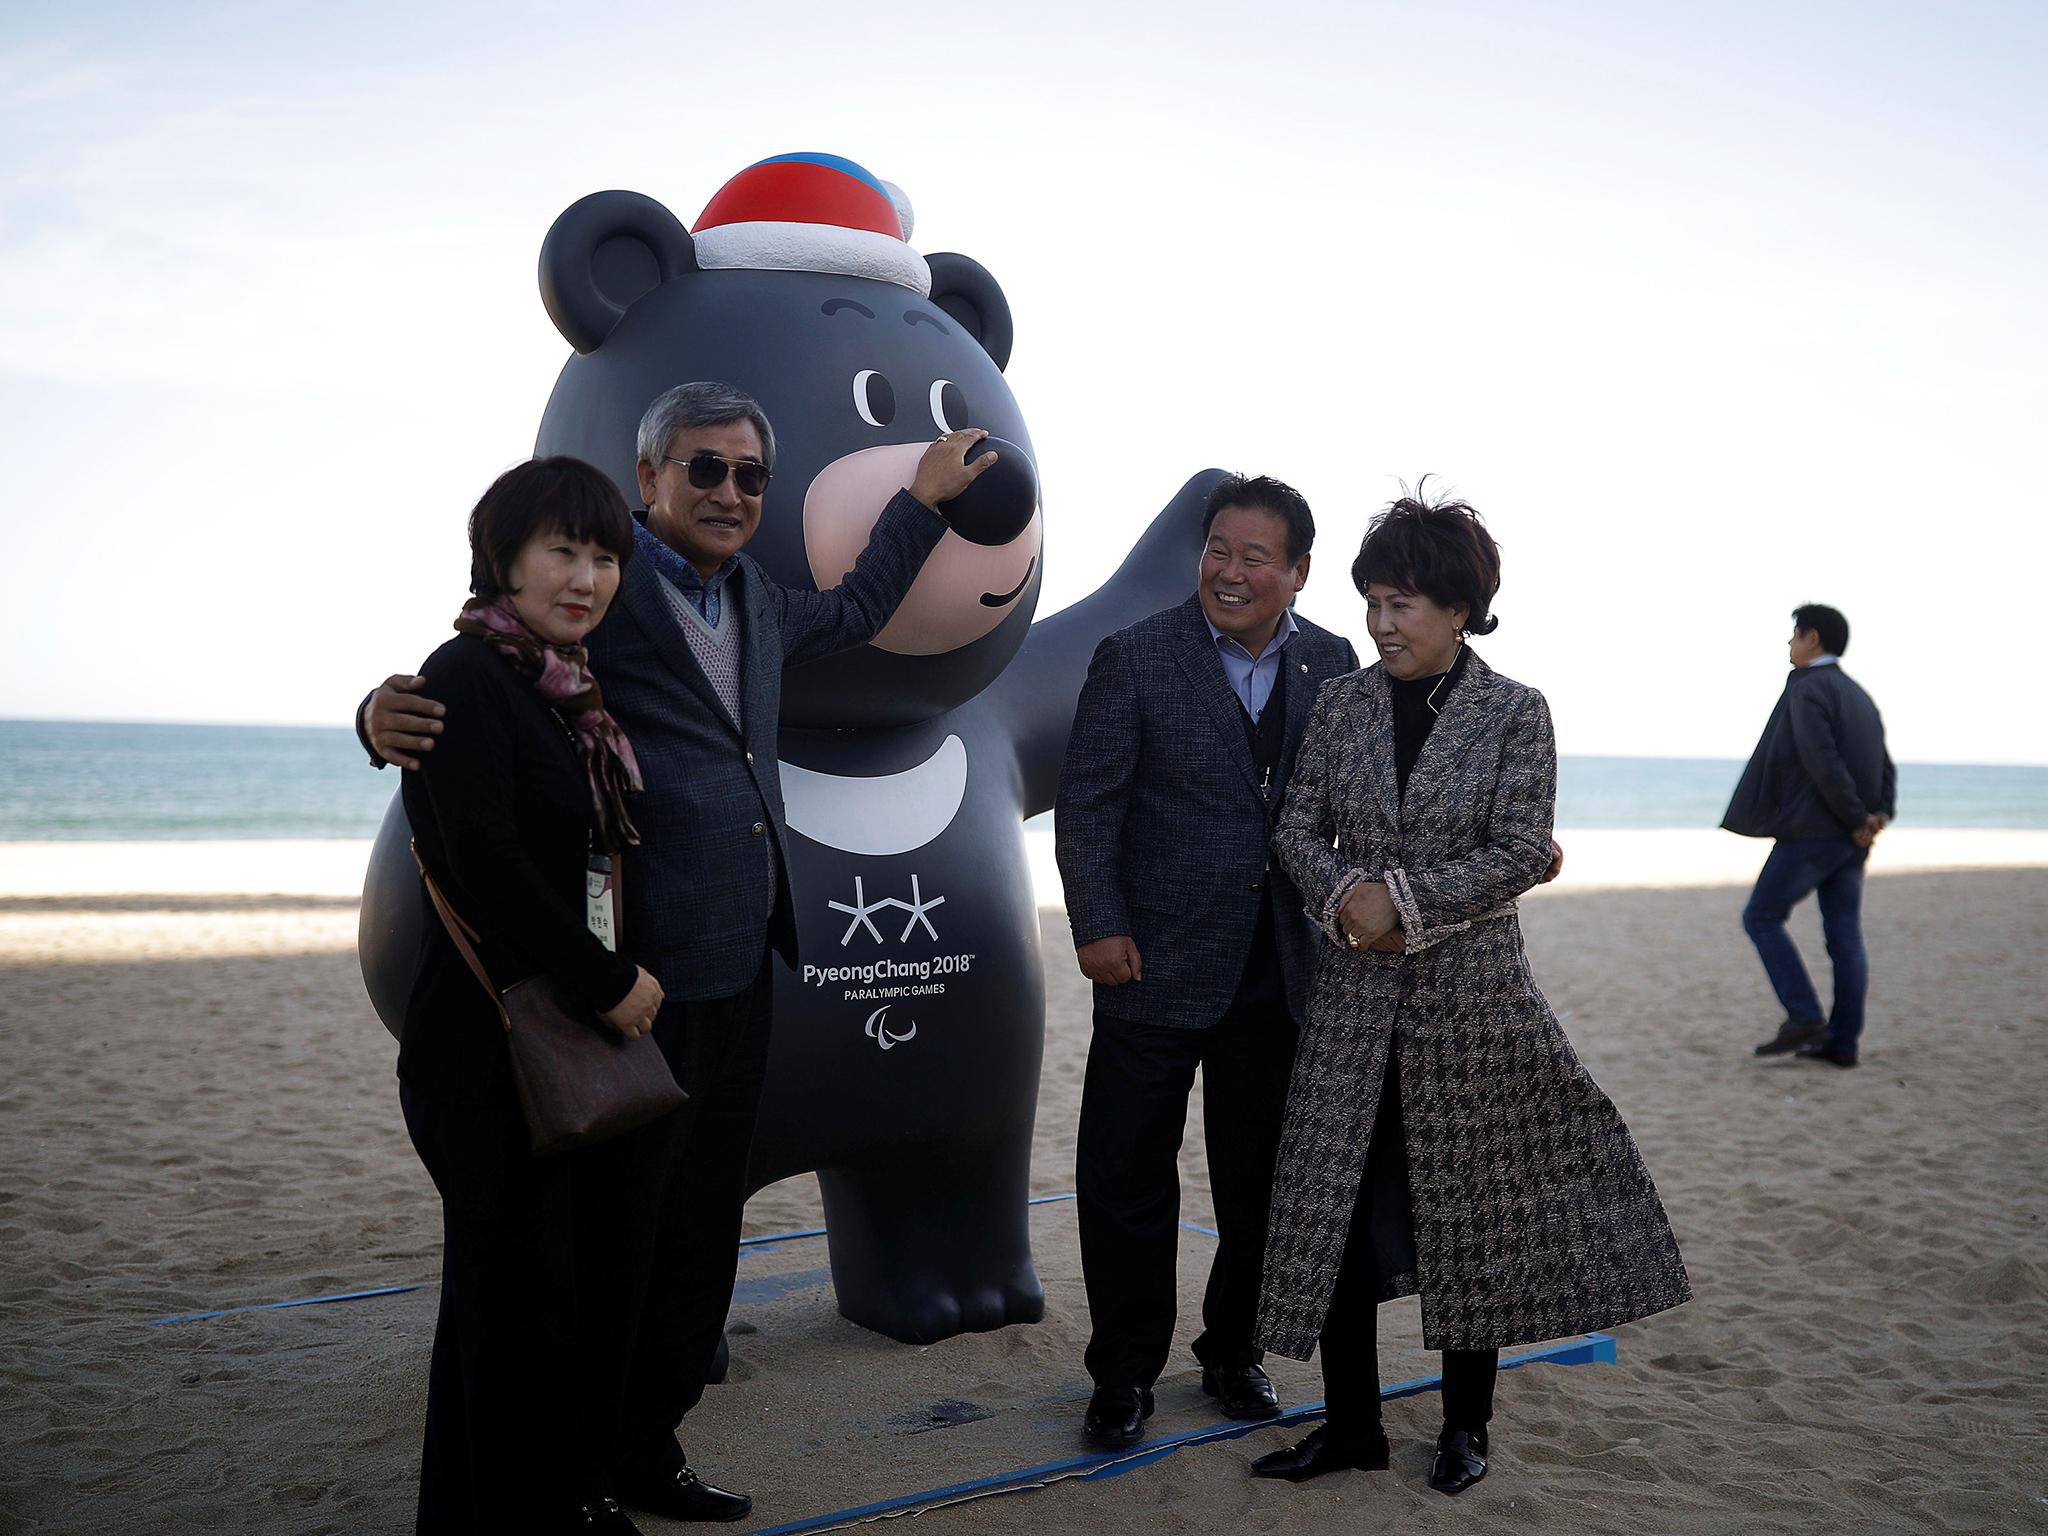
(716, 647)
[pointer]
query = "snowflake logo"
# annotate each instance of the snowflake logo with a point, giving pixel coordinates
(862, 911)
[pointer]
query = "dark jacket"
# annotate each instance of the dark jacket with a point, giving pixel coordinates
(1161, 828)
(501, 812)
(1821, 767)
(704, 891)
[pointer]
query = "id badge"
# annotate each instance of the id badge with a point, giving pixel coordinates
(597, 901)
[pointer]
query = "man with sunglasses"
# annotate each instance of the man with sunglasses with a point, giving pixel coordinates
(691, 659)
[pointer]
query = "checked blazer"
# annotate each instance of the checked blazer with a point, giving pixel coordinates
(1534, 1215)
(1161, 827)
(710, 879)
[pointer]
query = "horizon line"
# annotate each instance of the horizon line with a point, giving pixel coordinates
(348, 726)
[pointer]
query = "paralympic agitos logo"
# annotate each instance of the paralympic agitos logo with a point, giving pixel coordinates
(878, 1029)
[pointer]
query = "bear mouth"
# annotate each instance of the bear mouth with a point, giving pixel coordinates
(1004, 599)
(881, 814)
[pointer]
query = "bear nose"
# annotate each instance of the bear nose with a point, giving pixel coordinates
(998, 506)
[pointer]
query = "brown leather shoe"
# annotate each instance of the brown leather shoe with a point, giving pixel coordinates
(1829, 1051)
(1792, 1034)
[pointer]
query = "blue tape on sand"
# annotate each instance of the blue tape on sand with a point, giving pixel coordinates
(769, 1240)
(278, 1306)
(1588, 1349)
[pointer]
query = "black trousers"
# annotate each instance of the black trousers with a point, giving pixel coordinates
(510, 1442)
(673, 1237)
(1134, 1103)
(583, 1295)
(1381, 1234)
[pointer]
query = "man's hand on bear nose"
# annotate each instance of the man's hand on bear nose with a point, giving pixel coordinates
(943, 473)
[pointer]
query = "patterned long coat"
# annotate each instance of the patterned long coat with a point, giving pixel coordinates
(1534, 1216)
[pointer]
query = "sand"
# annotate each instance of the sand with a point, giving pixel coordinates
(196, 1112)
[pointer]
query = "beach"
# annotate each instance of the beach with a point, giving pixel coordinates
(197, 1113)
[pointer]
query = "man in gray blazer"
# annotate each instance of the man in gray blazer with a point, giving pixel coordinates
(691, 659)
(1200, 953)
(1822, 784)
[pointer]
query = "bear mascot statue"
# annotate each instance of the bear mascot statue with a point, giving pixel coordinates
(906, 1047)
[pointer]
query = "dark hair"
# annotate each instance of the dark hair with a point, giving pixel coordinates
(1263, 493)
(1439, 549)
(555, 495)
(1826, 622)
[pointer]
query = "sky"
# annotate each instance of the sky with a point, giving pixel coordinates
(1712, 310)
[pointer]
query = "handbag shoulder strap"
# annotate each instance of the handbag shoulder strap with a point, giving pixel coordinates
(461, 933)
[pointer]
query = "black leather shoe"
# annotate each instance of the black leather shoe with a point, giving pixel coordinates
(1792, 1034)
(1116, 1416)
(684, 1496)
(1321, 1453)
(1460, 1461)
(603, 1517)
(1828, 1051)
(1245, 1391)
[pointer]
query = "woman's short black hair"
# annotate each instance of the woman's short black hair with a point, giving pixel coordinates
(1264, 494)
(553, 495)
(1825, 622)
(1438, 548)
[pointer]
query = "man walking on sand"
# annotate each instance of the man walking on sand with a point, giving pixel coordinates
(1822, 785)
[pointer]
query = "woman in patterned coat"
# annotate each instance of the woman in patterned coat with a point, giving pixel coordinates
(1441, 1137)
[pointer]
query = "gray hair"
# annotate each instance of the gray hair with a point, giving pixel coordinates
(703, 404)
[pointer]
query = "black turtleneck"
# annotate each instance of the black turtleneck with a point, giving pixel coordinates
(1414, 716)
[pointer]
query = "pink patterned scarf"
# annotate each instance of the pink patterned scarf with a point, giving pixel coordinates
(561, 675)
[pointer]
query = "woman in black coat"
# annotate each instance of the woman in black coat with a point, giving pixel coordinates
(527, 782)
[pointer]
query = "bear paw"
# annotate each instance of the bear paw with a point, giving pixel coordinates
(924, 1311)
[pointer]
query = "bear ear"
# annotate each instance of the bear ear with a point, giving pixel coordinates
(605, 251)
(963, 288)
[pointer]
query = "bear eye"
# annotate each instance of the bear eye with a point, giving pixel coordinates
(949, 406)
(874, 397)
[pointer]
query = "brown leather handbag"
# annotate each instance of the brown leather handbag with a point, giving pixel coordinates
(579, 1080)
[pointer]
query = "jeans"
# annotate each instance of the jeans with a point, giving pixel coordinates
(1832, 869)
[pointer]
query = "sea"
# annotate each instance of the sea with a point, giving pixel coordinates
(115, 782)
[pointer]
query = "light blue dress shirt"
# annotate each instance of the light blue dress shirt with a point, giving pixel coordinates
(1251, 677)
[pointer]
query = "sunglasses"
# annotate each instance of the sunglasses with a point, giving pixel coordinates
(708, 471)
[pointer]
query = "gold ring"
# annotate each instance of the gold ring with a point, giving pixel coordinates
(1351, 941)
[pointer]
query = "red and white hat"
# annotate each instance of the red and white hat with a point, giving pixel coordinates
(811, 212)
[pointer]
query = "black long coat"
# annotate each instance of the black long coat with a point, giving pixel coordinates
(1534, 1215)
